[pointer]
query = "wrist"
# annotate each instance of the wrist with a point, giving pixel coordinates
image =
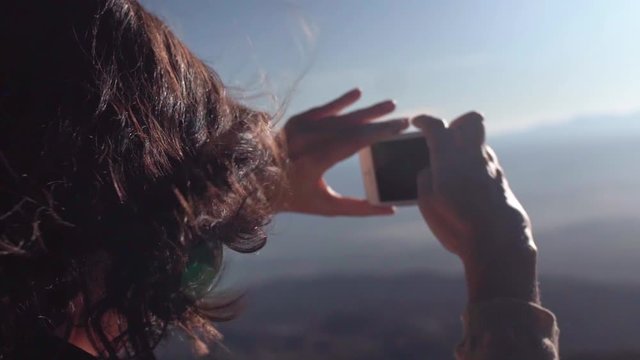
(504, 272)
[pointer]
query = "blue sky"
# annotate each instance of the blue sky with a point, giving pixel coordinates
(522, 63)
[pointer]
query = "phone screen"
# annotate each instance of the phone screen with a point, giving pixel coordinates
(396, 165)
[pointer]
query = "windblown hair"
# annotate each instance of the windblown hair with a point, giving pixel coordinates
(125, 168)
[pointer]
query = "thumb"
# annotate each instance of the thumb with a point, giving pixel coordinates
(435, 219)
(424, 182)
(425, 196)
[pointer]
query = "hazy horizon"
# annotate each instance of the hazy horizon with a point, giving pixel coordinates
(581, 194)
(520, 63)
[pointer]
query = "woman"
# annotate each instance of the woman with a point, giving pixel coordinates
(126, 167)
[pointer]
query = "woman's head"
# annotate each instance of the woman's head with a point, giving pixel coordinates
(124, 169)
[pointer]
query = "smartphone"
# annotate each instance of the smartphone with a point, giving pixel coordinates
(390, 168)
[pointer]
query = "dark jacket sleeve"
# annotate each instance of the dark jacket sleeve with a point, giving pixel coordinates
(508, 329)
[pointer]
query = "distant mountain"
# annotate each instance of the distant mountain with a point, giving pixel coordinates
(605, 356)
(606, 251)
(581, 190)
(579, 128)
(580, 182)
(413, 316)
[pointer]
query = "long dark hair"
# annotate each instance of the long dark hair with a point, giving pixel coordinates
(125, 168)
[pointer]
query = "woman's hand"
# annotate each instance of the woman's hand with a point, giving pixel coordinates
(466, 200)
(321, 137)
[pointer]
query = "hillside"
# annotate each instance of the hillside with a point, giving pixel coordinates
(411, 316)
(384, 289)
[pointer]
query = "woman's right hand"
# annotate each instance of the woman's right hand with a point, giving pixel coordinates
(466, 201)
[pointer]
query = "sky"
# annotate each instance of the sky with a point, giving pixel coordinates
(524, 64)
(521, 63)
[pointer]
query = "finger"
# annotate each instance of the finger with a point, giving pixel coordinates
(425, 185)
(433, 129)
(468, 129)
(442, 228)
(493, 165)
(358, 137)
(346, 206)
(426, 203)
(426, 192)
(438, 137)
(333, 107)
(438, 223)
(328, 127)
(490, 154)
(365, 115)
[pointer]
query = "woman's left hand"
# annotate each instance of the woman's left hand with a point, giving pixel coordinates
(321, 137)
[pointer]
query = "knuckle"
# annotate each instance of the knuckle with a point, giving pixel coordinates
(475, 115)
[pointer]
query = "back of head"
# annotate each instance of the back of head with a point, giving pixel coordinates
(124, 169)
